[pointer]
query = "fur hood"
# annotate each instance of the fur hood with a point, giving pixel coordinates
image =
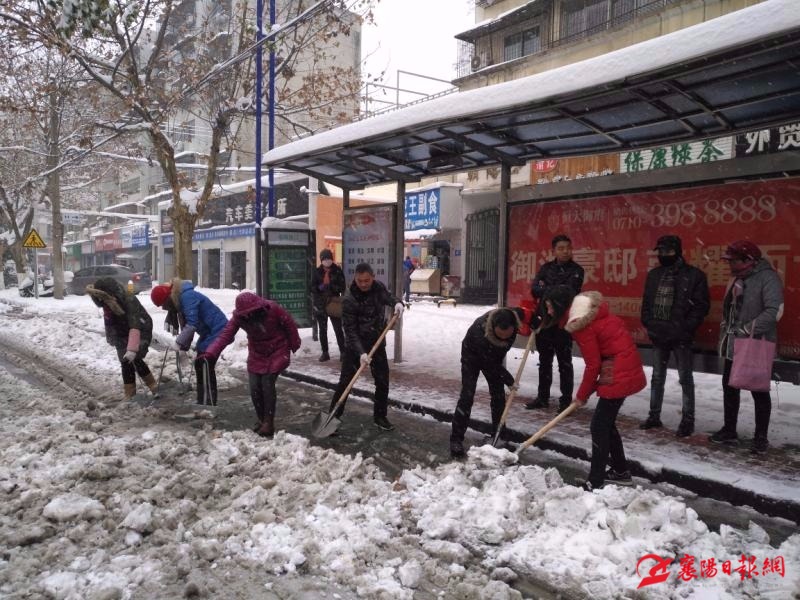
(176, 287)
(488, 328)
(585, 308)
(108, 296)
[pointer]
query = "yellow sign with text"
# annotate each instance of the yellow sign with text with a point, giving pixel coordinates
(33, 240)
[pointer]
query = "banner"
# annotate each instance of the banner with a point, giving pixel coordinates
(423, 209)
(613, 239)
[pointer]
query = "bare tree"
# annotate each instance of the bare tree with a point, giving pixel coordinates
(160, 59)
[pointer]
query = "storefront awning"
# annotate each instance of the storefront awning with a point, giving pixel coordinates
(134, 254)
(735, 73)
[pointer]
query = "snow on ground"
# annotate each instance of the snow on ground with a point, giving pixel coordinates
(106, 500)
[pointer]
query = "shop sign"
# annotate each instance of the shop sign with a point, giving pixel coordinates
(423, 209)
(214, 234)
(768, 141)
(367, 237)
(570, 169)
(613, 239)
(287, 238)
(676, 155)
(106, 242)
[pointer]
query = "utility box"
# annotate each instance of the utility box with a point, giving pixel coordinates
(426, 281)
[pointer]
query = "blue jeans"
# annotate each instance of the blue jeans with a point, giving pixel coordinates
(683, 356)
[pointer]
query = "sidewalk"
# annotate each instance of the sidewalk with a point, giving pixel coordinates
(767, 482)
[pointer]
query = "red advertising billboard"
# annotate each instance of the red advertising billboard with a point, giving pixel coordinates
(613, 239)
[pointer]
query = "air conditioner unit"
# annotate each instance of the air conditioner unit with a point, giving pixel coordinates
(475, 62)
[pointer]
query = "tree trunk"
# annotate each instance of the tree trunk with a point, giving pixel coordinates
(183, 228)
(54, 192)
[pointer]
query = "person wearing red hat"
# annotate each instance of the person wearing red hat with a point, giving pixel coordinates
(192, 313)
(752, 306)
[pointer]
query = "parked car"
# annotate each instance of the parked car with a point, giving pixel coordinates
(141, 281)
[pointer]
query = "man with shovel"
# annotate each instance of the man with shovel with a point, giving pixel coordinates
(363, 321)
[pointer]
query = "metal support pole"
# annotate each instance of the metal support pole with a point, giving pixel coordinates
(259, 111)
(400, 230)
(502, 242)
(271, 142)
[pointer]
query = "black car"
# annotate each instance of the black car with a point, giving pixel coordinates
(141, 281)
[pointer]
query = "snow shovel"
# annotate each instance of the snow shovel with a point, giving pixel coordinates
(326, 424)
(540, 434)
(161, 372)
(510, 398)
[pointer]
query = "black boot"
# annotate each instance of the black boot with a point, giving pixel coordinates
(324, 357)
(651, 423)
(537, 403)
(685, 429)
(457, 449)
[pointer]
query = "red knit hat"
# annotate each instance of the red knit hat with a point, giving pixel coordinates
(160, 293)
(743, 250)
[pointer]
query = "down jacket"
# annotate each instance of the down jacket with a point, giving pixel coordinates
(613, 365)
(197, 311)
(270, 338)
(122, 312)
(363, 316)
(482, 350)
(335, 288)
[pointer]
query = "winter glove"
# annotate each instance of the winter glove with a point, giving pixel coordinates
(508, 378)
(398, 309)
(184, 339)
(129, 356)
(365, 359)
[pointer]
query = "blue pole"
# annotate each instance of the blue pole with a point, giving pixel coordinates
(271, 206)
(259, 92)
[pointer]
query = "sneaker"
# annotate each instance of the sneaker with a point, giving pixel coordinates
(759, 445)
(723, 436)
(324, 357)
(457, 449)
(623, 478)
(537, 403)
(685, 429)
(383, 423)
(588, 486)
(651, 423)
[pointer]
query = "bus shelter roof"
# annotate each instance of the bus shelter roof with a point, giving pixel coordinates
(731, 74)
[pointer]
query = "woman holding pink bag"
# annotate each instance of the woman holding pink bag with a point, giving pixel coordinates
(751, 309)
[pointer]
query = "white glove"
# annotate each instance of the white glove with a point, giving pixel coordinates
(514, 388)
(398, 308)
(129, 356)
(365, 359)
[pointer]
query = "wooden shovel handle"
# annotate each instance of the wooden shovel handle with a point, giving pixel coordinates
(540, 434)
(363, 366)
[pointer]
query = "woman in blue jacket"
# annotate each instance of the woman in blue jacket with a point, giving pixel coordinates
(195, 314)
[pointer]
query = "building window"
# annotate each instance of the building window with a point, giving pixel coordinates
(522, 44)
(583, 16)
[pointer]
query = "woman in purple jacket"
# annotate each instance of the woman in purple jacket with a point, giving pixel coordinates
(271, 336)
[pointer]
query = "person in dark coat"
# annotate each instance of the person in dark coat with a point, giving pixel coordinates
(129, 329)
(195, 313)
(674, 304)
(483, 350)
(614, 371)
(752, 306)
(555, 341)
(327, 283)
(271, 337)
(364, 320)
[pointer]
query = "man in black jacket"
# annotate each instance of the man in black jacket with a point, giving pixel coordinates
(327, 282)
(674, 305)
(483, 350)
(363, 320)
(554, 341)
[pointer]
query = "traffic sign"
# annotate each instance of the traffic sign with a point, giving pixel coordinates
(33, 240)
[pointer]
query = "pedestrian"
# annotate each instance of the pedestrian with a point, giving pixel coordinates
(327, 286)
(483, 350)
(613, 369)
(674, 304)
(271, 337)
(408, 269)
(752, 307)
(363, 320)
(196, 314)
(555, 341)
(128, 328)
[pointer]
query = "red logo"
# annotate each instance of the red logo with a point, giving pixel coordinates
(545, 166)
(658, 573)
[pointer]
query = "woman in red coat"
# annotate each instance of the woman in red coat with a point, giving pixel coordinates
(613, 370)
(271, 337)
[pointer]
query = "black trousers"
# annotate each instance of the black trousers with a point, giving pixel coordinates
(380, 373)
(762, 403)
(262, 393)
(204, 388)
(606, 441)
(322, 330)
(129, 370)
(469, 381)
(555, 342)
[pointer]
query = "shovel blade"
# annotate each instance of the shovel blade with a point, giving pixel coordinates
(324, 425)
(496, 437)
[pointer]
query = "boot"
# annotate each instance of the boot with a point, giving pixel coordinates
(150, 382)
(129, 390)
(651, 423)
(457, 449)
(685, 429)
(267, 429)
(324, 357)
(536, 403)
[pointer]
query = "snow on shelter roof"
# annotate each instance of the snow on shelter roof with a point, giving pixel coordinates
(734, 73)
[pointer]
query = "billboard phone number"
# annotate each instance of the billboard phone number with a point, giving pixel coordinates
(745, 210)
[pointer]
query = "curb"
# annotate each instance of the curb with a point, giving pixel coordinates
(709, 489)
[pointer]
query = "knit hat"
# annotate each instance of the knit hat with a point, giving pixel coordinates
(669, 242)
(326, 254)
(160, 293)
(742, 250)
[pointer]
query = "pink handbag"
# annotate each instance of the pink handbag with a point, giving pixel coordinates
(752, 364)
